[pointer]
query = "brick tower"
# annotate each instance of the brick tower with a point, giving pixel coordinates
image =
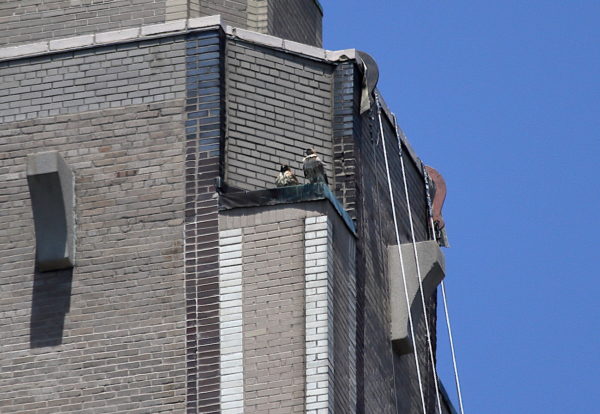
(149, 263)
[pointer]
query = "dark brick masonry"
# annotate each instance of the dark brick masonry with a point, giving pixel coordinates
(360, 183)
(204, 136)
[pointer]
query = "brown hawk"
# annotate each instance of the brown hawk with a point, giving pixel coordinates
(286, 177)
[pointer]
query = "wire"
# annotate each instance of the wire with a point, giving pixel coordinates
(410, 320)
(456, 379)
(414, 243)
(443, 288)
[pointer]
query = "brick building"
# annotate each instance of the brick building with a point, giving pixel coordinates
(149, 265)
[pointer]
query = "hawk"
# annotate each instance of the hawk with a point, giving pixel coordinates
(314, 170)
(286, 177)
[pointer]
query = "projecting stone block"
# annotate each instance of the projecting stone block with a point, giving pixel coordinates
(432, 268)
(51, 186)
(173, 26)
(117, 35)
(205, 21)
(23, 50)
(72, 42)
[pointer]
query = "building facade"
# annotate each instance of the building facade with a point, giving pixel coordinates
(149, 265)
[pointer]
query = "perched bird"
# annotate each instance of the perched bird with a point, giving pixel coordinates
(286, 177)
(314, 170)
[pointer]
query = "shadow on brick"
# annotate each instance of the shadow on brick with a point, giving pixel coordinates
(51, 300)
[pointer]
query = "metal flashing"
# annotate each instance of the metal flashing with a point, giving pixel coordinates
(340, 55)
(319, 6)
(402, 136)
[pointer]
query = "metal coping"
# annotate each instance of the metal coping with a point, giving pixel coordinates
(285, 195)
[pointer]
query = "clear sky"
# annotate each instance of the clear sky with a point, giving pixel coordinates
(503, 98)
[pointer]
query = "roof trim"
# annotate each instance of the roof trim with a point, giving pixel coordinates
(174, 27)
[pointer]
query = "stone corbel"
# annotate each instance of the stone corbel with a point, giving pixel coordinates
(432, 267)
(51, 187)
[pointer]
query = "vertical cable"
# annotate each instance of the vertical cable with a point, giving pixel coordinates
(416, 254)
(410, 320)
(456, 379)
(443, 288)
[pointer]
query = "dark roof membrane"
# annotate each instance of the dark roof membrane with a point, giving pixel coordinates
(284, 195)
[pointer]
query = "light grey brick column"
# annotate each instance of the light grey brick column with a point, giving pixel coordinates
(231, 321)
(319, 315)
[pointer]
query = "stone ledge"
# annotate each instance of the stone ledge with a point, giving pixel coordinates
(23, 50)
(118, 35)
(71, 42)
(174, 27)
(285, 195)
(169, 27)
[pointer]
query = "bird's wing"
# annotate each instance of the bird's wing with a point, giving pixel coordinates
(280, 180)
(307, 167)
(321, 168)
(291, 178)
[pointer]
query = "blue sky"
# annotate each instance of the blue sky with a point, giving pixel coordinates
(503, 98)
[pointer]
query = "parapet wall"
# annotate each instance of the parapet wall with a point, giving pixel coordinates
(279, 105)
(31, 21)
(27, 22)
(298, 20)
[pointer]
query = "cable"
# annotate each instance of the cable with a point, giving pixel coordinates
(443, 288)
(456, 379)
(414, 243)
(389, 181)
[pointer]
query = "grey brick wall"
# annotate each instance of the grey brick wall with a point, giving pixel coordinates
(361, 183)
(89, 80)
(278, 105)
(258, 16)
(273, 284)
(297, 20)
(234, 12)
(28, 21)
(33, 20)
(110, 336)
(273, 275)
(203, 164)
(344, 322)
(346, 129)
(376, 229)
(273, 305)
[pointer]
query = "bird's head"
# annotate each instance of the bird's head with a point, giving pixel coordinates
(310, 151)
(284, 168)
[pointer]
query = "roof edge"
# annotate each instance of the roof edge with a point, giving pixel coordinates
(285, 195)
(170, 28)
